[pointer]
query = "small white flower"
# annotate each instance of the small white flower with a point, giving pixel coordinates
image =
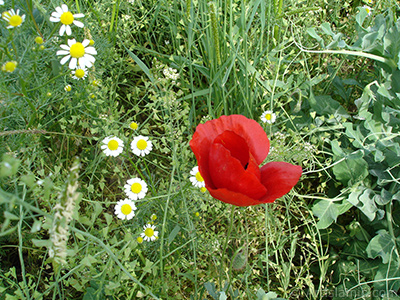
(141, 145)
(13, 18)
(368, 9)
(125, 209)
(66, 18)
(197, 180)
(68, 88)
(1, 2)
(112, 146)
(135, 188)
(80, 54)
(79, 73)
(149, 233)
(268, 117)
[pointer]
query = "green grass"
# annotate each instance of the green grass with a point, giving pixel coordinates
(334, 236)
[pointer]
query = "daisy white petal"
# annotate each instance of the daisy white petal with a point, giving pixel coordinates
(149, 233)
(141, 145)
(196, 179)
(112, 146)
(268, 117)
(135, 188)
(125, 209)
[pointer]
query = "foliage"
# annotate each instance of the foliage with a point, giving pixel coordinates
(168, 65)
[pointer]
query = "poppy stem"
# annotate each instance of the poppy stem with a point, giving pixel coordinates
(226, 243)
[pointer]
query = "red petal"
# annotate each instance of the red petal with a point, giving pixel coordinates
(232, 197)
(278, 178)
(248, 129)
(227, 172)
(236, 145)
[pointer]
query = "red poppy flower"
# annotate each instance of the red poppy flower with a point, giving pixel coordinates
(229, 151)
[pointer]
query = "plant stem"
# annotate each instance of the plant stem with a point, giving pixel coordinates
(226, 243)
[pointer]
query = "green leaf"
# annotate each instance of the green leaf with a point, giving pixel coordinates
(352, 170)
(142, 65)
(363, 198)
(173, 233)
(9, 165)
(328, 211)
(391, 272)
(381, 245)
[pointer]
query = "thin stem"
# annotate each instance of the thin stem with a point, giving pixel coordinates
(228, 234)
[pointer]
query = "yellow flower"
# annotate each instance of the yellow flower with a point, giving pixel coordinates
(38, 40)
(13, 18)
(134, 125)
(9, 66)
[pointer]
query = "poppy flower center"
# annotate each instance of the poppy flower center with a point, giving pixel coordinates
(136, 188)
(149, 232)
(112, 145)
(141, 144)
(15, 21)
(126, 209)
(77, 50)
(67, 18)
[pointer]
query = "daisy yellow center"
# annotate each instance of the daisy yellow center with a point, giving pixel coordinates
(268, 116)
(79, 73)
(112, 145)
(141, 144)
(139, 239)
(199, 178)
(15, 21)
(38, 40)
(77, 50)
(136, 188)
(10, 66)
(67, 18)
(149, 232)
(126, 209)
(134, 125)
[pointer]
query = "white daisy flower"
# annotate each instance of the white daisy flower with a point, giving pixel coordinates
(268, 117)
(13, 18)
(135, 188)
(68, 88)
(112, 146)
(149, 233)
(197, 180)
(368, 9)
(1, 2)
(79, 73)
(125, 209)
(80, 54)
(66, 18)
(141, 145)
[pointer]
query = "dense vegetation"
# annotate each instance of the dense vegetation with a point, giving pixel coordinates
(328, 71)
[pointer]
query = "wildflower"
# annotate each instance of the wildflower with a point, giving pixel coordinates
(125, 209)
(13, 18)
(229, 151)
(96, 83)
(134, 125)
(67, 88)
(39, 40)
(197, 180)
(66, 18)
(153, 217)
(91, 42)
(149, 234)
(79, 73)
(203, 189)
(141, 145)
(41, 47)
(139, 239)
(80, 54)
(48, 94)
(9, 66)
(368, 9)
(135, 188)
(268, 117)
(197, 214)
(112, 146)
(1, 2)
